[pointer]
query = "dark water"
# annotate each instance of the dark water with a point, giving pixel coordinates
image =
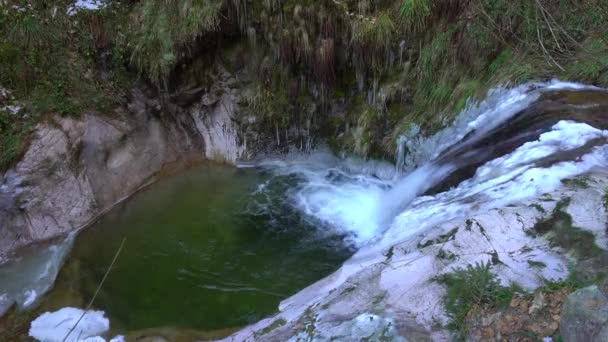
(202, 252)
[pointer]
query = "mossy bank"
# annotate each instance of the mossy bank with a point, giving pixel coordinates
(354, 74)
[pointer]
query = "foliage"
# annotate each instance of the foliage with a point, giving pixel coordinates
(471, 288)
(51, 58)
(13, 131)
(371, 41)
(163, 32)
(48, 57)
(415, 14)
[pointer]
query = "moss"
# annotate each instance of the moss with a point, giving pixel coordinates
(390, 252)
(443, 238)
(272, 326)
(442, 254)
(576, 183)
(538, 264)
(539, 208)
(469, 225)
(495, 259)
(561, 232)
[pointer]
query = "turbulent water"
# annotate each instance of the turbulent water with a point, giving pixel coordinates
(518, 143)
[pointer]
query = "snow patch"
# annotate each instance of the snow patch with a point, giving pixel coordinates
(55, 326)
(30, 297)
(89, 5)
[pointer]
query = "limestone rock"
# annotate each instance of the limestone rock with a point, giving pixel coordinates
(77, 168)
(585, 316)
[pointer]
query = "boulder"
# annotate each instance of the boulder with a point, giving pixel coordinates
(585, 316)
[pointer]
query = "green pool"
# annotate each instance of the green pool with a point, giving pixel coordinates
(212, 248)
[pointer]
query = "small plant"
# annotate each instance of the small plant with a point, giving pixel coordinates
(415, 13)
(470, 288)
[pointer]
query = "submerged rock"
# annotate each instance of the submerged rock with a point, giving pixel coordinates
(585, 316)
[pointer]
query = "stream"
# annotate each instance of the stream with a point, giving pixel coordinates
(217, 248)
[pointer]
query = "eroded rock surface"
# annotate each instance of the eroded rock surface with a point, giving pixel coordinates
(78, 168)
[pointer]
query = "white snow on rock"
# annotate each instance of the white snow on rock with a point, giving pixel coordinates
(90, 5)
(54, 326)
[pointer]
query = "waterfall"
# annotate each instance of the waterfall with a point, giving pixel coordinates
(400, 154)
(24, 283)
(494, 153)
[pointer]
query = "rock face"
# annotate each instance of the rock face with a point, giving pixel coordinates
(76, 169)
(585, 316)
(399, 285)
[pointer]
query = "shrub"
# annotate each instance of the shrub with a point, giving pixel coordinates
(162, 32)
(470, 288)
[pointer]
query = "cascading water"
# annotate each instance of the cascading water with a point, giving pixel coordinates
(493, 154)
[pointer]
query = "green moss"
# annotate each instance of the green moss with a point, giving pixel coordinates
(538, 207)
(561, 232)
(443, 238)
(390, 252)
(272, 326)
(576, 183)
(539, 264)
(442, 254)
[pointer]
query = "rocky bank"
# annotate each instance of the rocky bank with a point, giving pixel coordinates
(78, 168)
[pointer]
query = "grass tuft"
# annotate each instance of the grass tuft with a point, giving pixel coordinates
(415, 14)
(469, 289)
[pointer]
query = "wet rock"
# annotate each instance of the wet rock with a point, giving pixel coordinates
(585, 316)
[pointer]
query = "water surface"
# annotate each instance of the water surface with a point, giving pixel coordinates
(204, 250)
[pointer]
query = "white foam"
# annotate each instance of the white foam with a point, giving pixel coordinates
(55, 326)
(476, 120)
(89, 4)
(362, 198)
(30, 297)
(505, 180)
